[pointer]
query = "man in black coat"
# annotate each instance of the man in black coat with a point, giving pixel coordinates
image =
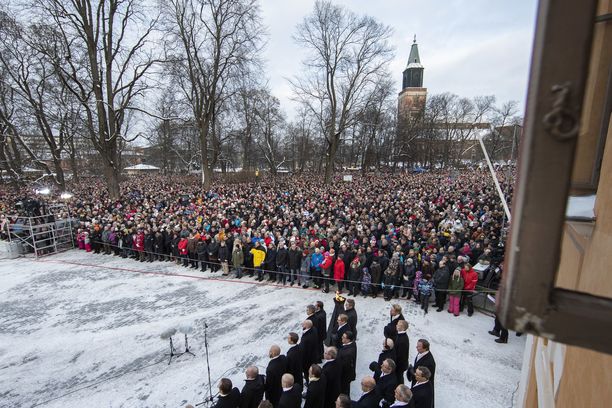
(229, 396)
(386, 383)
(291, 396)
(315, 396)
(402, 349)
(336, 335)
(424, 358)
(253, 390)
(276, 368)
(295, 263)
(351, 313)
(320, 323)
(294, 359)
(309, 347)
(369, 398)
(441, 278)
(348, 360)
(395, 313)
(422, 390)
(331, 376)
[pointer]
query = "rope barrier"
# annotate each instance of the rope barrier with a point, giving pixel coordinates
(300, 276)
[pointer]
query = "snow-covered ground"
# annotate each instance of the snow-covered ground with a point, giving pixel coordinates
(84, 330)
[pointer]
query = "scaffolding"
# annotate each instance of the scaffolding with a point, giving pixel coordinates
(41, 235)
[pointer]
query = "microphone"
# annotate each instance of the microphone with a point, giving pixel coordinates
(185, 328)
(166, 334)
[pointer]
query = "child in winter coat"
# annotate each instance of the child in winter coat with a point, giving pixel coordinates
(454, 290)
(425, 290)
(415, 286)
(366, 283)
(80, 238)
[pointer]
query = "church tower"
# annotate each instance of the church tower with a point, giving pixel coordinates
(412, 98)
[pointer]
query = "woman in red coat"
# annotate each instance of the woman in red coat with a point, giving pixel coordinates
(339, 273)
(470, 278)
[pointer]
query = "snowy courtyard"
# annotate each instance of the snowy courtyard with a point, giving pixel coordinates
(79, 329)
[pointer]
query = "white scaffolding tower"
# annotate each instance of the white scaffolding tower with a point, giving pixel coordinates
(41, 235)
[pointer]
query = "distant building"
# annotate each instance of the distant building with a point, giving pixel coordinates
(425, 141)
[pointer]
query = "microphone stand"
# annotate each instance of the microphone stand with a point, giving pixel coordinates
(208, 401)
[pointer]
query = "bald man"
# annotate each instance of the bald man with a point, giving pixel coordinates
(291, 396)
(274, 373)
(369, 398)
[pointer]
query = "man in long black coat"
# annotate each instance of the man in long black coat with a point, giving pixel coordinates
(315, 396)
(331, 375)
(294, 359)
(386, 383)
(348, 360)
(320, 323)
(402, 349)
(351, 313)
(309, 347)
(276, 368)
(253, 390)
(422, 390)
(424, 358)
(395, 313)
(291, 396)
(336, 334)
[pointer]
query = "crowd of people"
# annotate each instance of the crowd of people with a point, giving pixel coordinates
(391, 235)
(320, 365)
(411, 236)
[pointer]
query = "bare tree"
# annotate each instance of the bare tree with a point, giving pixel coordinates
(210, 43)
(10, 156)
(32, 78)
(348, 53)
(503, 130)
(103, 55)
(269, 122)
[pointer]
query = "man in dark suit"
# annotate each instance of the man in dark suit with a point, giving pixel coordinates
(348, 360)
(315, 395)
(276, 368)
(253, 390)
(386, 383)
(331, 375)
(320, 321)
(369, 398)
(424, 358)
(402, 349)
(294, 359)
(422, 389)
(291, 396)
(229, 396)
(395, 313)
(343, 327)
(351, 313)
(309, 347)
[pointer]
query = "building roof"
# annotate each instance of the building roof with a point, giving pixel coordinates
(414, 61)
(142, 166)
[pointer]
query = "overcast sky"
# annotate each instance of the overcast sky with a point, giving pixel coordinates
(468, 47)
